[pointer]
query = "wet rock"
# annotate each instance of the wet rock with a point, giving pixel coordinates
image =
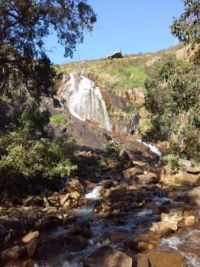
(48, 222)
(107, 184)
(147, 178)
(140, 164)
(76, 243)
(189, 220)
(108, 257)
(74, 185)
(143, 246)
(12, 254)
(49, 250)
(25, 263)
(74, 195)
(32, 247)
(33, 201)
(194, 196)
(64, 198)
(161, 259)
(82, 229)
(30, 236)
(169, 222)
(172, 217)
(132, 172)
(116, 237)
(163, 228)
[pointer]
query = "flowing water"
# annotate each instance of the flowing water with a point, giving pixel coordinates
(127, 224)
(152, 148)
(84, 100)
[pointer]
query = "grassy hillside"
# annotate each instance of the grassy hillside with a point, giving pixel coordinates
(117, 74)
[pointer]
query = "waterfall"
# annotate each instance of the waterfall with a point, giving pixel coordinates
(152, 148)
(95, 193)
(84, 100)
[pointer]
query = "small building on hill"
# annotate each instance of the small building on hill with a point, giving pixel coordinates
(116, 54)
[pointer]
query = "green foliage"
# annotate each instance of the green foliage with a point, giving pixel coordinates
(111, 150)
(103, 165)
(60, 118)
(33, 120)
(172, 96)
(118, 74)
(130, 76)
(24, 24)
(186, 28)
(24, 159)
(145, 126)
(172, 161)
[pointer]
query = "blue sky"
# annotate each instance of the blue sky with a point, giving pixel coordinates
(133, 26)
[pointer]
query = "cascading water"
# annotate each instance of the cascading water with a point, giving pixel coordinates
(84, 100)
(152, 148)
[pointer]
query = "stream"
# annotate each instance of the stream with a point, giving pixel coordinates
(124, 225)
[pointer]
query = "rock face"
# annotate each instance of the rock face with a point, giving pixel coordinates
(160, 259)
(134, 96)
(108, 257)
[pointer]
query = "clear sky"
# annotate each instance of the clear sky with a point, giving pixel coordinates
(133, 26)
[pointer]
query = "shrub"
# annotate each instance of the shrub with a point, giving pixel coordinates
(60, 118)
(172, 96)
(25, 160)
(111, 150)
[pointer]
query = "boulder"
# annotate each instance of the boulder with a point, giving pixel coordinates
(180, 178)
(194, 196)
(189, 220)
(193, 170)
(12, 254)
(107, 184)
(132, 172)
(76, 243)
(108, 257)
(64, 198)
(161, 259)
(25, 263)
(74, 195)
(74, 185)
(33, 201)
(30, 236)
(147, 178)
(49, 250)
(163, 228)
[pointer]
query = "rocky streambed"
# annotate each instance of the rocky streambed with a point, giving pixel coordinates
(131, 215)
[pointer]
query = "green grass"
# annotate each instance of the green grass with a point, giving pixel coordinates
(118, 74)
(60, 118)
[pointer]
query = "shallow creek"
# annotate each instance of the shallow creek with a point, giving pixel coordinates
(127, 224)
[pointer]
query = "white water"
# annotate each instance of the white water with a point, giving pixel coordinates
(85, 101)
(153, 149)
(179, 242)
(95, 193)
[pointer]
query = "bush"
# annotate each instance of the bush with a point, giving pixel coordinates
(111, 150)
(25, 160)
(172, 97)
(60, 118)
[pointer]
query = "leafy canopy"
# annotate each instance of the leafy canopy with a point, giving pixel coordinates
(24, 24)
(187, 27)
